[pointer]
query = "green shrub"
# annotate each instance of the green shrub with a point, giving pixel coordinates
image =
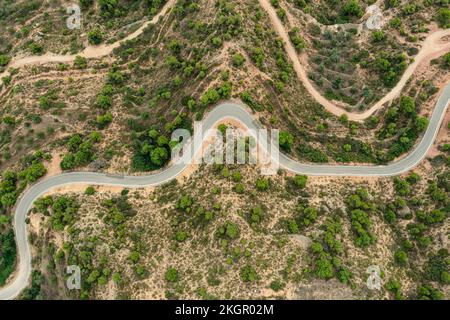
(276, 285)
(248, 274)
(427, 292)
(401, 258)
(95, 36)
(286, 140)
(262, 184)
(8, 254)
(443, 18)
(324, 268)
(437, 267)
(378, 36)
(352, 8)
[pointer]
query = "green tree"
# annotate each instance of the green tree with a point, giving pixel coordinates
(4, 60)
(232, 230)
(297, 40)
(185, 203)
(181, 236)
(427, 292)
(4, 220)
(86, 3)
(293, 226)
(104, 120)
(407, 104)
(402, 187)
(239, 188)
(211, 96)
(262, 184)
(395, 287)
(89, 191)
(135, 256)
(378, 36)
(80, 62)
(8, 255)
(277, 285)
(8, 199)
(324, 268)
(352, 8)
(256, 215)
(437, 267)
(33, 172)
(300, 181)
(237, 59)
(172, 275)
(446, 59)
(308, 216)
(401, 258)
(68, 162)
(159, 156)
(117, 278)
(93, 276)
(257, 57)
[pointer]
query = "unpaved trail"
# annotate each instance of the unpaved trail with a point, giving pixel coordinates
(432, 48)
(90, 52)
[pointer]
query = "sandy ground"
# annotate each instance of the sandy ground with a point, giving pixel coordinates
(433, 47)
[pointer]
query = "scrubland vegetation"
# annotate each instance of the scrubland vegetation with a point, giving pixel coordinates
(227, 231)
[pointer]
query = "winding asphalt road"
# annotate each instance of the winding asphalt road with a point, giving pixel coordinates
(224, 111)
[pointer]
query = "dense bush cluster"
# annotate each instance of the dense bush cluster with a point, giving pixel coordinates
(403, 126)
(62, 210)
(332, 12)
(81, 151)
(327, 251)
